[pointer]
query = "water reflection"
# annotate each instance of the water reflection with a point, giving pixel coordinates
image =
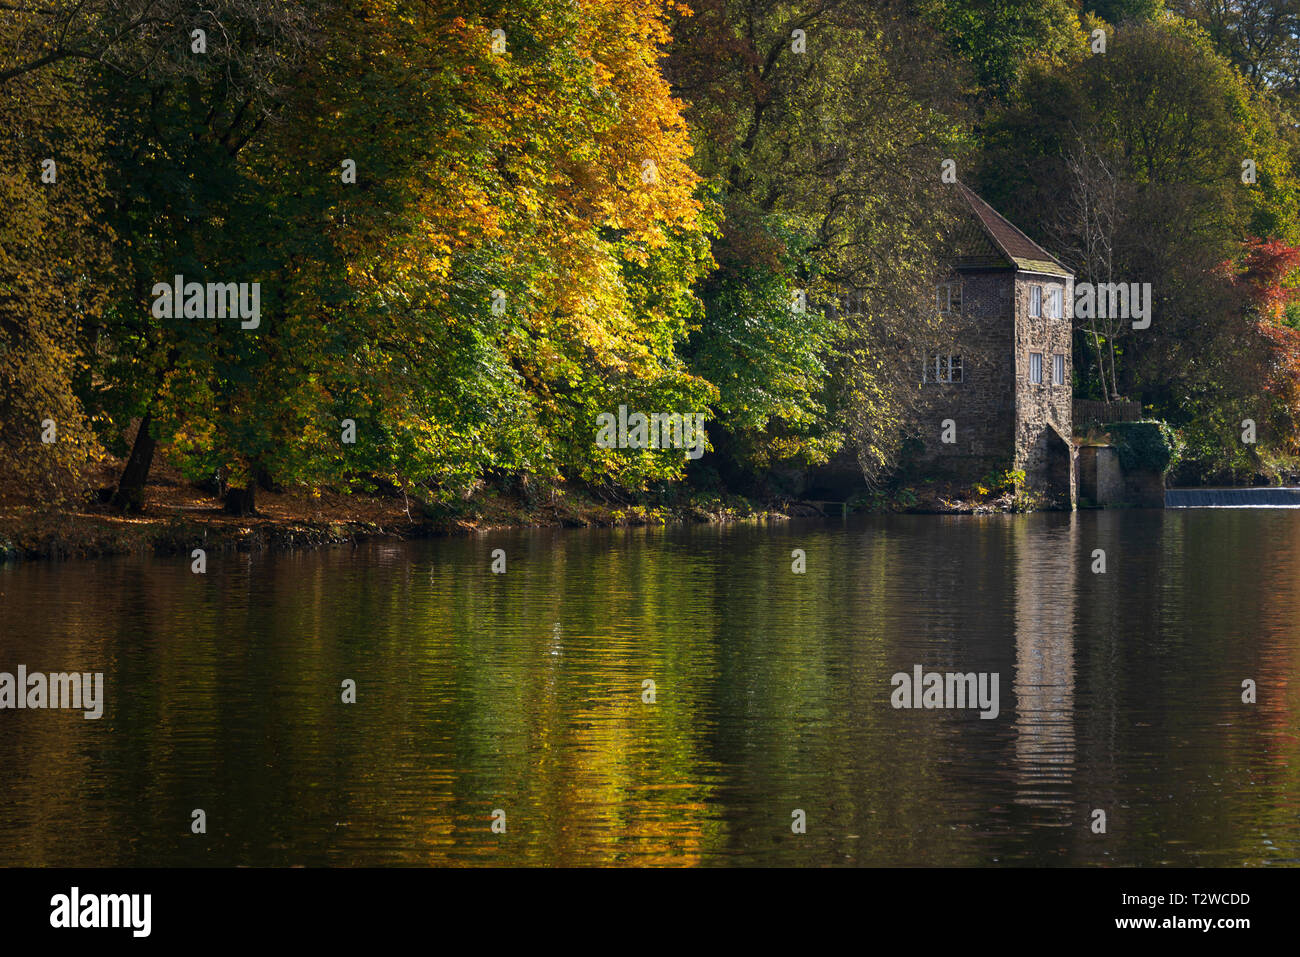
(523, 693)
(1047, 566)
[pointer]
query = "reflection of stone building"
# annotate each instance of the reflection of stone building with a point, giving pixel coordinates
(1045, 666)
(1002, 373)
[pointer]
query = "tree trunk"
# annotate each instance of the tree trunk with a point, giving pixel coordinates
(1114, 372)
(130, 488)
(1101, 368)
(266, 482)
(241, 501)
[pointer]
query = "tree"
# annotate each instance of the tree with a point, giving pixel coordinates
(1001, 38)
(823, 127)
(54, 253)
(182, 203)
(553, 173)
(1259, 37)
(1266, 273)
(547, 177)
(1149, 141)
(1091, 219)
(1122, 11)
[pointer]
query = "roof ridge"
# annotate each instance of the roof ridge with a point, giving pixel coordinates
(1029, 251)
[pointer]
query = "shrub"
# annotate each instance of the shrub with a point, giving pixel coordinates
(1149, 445)
(996, 483)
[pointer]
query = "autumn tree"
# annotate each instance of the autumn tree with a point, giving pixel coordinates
(54, 255)
(1266, 274)
(823, 127)
(1134, 165)
(509, 252)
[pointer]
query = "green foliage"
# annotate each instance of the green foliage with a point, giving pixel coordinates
(521, 174)
(767, 359)
(1000, 38)
(822, 161)
(55, 254)
(1149, 445)
(891, 500)
(998, 483)
(517, 175)
(1261, 38)
(1121, 11)
(1148, 141)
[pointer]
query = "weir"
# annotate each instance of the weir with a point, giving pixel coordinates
(1232, 498)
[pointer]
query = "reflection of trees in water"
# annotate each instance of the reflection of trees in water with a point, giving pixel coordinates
(223, 693)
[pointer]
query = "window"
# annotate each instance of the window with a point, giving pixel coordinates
(1058, 370)
(1035, 301)
(948, 297)
(1054, 310)
(941, 367)
(1036, 368)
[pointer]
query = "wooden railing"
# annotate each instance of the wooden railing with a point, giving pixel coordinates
(1090, 412)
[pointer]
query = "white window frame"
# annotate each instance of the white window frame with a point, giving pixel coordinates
(1056, 303)
(944, 298)
(942, 367)
(1035, 302)
(1035, 368)
(1058, 369)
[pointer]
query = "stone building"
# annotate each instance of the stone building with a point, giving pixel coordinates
(996, 390)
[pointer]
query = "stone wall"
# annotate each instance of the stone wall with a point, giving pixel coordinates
(1145, 488)
(982, 405)
(1002, 419)
(1042, 416)
(1101, 480)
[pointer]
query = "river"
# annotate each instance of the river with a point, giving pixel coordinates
(505, 718)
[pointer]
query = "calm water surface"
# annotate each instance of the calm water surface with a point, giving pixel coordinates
(523, 692)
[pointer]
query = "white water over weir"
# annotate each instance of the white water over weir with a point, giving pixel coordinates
(1264, 497)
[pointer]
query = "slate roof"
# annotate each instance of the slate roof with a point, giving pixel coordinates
(989, 241)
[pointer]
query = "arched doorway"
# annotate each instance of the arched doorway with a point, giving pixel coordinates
(1056, 453)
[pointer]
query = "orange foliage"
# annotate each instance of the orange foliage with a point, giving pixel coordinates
(1267, 266)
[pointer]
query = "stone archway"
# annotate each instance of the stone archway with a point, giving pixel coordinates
(1056, 453)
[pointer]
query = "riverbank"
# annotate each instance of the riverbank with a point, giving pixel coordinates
(30, 533)
(179, 517)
